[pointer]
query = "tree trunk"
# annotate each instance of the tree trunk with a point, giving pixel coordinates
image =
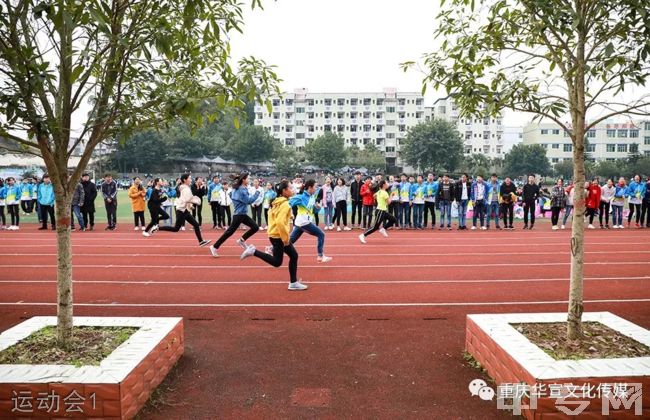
(64, 269)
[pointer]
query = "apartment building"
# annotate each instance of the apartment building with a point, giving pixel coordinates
(379, 118)
(607, 141)
(480, 135)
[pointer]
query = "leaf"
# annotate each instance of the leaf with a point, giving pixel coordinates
(76, 73)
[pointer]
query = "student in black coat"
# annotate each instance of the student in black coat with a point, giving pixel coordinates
(530, 195)
(88, 208)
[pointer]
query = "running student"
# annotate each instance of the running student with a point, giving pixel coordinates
(278, 230)
(184, 204)
(383, 219)
(269, 196)
(137, 194)
(305, 201)
(606, 196)
(12, 201)
(592, 201)
(156, 200)
(618, 203)
(241, 200)
(635, 192)
(341, 199)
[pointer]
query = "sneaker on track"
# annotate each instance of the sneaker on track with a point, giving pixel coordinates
(362, 238)
(383, 232)
(204, 242)
(214, 252)
(324, 259)
(242, 243)
(248, 252)
(297, 286)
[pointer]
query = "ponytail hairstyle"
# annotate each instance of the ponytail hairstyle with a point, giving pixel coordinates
(238, 179)
(376, 186)
(278, 188)
(310, 183)
(155, 182)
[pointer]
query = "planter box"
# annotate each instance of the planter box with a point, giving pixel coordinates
(532, 383)
(116, 389)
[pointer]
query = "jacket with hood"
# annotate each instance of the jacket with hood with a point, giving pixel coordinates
(305, 204)
(635, 192)
(242, 199)
(45, 194)
(186, 200)
(280, 219)
(12, 194)
(137, 197)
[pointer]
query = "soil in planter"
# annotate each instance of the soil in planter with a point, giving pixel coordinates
(600, 341)
(90, 345)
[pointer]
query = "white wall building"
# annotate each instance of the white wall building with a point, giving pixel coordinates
(379, 118)
(511, 137)
(607, 141)
(480, 135)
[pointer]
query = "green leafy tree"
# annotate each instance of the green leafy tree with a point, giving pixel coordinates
(370, 157)
(560, 60)
(640, 166)
(433, 145)
(609, 169)
(477, 164)
(326, 151)
(113, 67)
(526, 159)
(288, 162)
(251, 144)
(563, 169)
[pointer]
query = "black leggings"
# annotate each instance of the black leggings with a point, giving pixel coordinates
(591, 213)
(256, 213)
(138, 218)
(237, 220)
(380, 217)
(266, 216)
(604, 211)
(157, 214)
(14, 211)
(430, 207)
(555, 215)
(197, 211)
(181, 217)
(529, 208)
(217, 216)
(279, 249)
(341, 212)
(507, 210)
(634, 208)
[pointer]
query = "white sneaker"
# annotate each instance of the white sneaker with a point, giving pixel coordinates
(554, 228)
(213, 251)
(483, 228)
(204, 242)
(146, 234)
(591, 227)
(298, 286)
(183, 228)
(338, 229)
(621, 227)
(563, 227)
(154, 228)
(136, 228)
(248, 252)
(143, 228)
(16, 227)
(347, 229)
(473, 227)
(383, 232)
(324, 259)
(242, 243)
(362, 238)
(269, 250)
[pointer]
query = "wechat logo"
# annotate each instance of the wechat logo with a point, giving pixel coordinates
(480, 388)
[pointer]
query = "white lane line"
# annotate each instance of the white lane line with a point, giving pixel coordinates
(319, 305)
(265, 267)
(374, 254)
(333, 282)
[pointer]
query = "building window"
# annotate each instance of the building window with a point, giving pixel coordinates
(634, 148)
(545, 145)
(486, 149)
(328, 115)
(276, 102)
(354, 102)
(568, 147)
(544, 131)
(621, 147)
(498, 150)
(259, 115)
(366, 128)
(310, 102)
(418, 101)
(622, 133)
(556, 132)
(402, 128)
(486, 135)
(556, 145)
(353, 115)
(390, 123)
(380, 128)
(468, 135)
(367, 101)
(300, 135)
(556, 160)
(328, 102)
(380, 115)
(353, 141)
(340, 128)
(486, 121)
(647, 126)
(276, 128)
(340, 102)
(591, 148)
(611, 148)
(288, 129)
(401, 115)
(288, 102)
(353, 128)
(300, 110)
(380, 101)
(288, 142)
(390, 135)
(611, 133)
(390, 149)
(634, 134)
(366, 115)
(591, 133)
(390, 109)
(401, 101)
(327, 128)
(646, 140)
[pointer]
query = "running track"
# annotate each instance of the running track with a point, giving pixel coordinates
(379, 334)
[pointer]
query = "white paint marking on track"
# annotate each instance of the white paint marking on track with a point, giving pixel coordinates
(374, 254)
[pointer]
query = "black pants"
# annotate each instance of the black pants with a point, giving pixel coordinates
(14, 211)
(256, 213)
(226, 215)
(279, 249)
(45, 211)
(430, 207)
(529, 208)
(3, 219)
(217, 216)
(111, 213)
(341, 212)
(138, 218)
(356, 211)
(367, 216)
(634, 208)
(89, 216)
(237, 220)
(181, 217)
(645, 212)
(507, 210)
(197, 212)
(591, 213)
(555, 215)
(316, 218)
(27, 205)
(604, 211)
(393, 208)
(266, 216)
(157, 214)
(382, 219)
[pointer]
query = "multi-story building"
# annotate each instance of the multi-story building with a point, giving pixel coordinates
(480, 135)
(606, 141)
(379, 118)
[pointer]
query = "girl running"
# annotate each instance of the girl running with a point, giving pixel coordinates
(341, 199)
(156, 200)
(184, 204)
(279, 220)
(383, 219)
(269, 196)
(635, 192)
(12, 201)
(618, 203)
(305, 202)
(241, 200)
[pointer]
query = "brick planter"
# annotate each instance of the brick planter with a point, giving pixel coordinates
(116, 389)
(545, 388)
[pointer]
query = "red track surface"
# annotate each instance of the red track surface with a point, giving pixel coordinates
(380, 331)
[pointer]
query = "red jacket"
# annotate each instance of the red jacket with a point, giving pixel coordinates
(593, 196)
(368, 198)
